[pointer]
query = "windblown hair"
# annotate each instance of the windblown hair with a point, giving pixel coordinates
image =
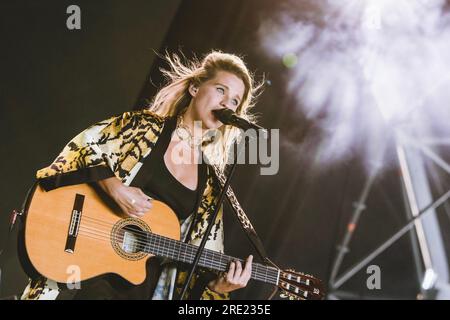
(174, 98)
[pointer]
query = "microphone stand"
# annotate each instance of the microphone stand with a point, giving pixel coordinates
(214, 216)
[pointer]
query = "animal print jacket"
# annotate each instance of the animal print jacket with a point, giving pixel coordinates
(117, 146)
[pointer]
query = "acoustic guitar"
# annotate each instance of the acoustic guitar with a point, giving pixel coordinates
(79, 227)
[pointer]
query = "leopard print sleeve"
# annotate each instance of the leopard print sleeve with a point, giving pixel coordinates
(102, 149)
(209, 294)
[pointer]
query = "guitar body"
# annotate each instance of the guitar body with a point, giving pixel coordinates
(75, 233)
(77, 230)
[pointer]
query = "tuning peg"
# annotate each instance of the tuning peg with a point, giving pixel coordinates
(289, 296)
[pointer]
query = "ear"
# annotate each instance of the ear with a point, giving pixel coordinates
(193, 89)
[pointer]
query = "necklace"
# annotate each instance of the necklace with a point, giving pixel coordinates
(184, 133)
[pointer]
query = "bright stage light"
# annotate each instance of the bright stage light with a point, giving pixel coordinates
(363, 68)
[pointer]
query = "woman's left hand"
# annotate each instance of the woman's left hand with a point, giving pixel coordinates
(235, 278)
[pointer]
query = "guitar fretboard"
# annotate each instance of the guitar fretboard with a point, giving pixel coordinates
(184, 252)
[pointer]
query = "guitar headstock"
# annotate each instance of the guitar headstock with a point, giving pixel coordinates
(300, 286)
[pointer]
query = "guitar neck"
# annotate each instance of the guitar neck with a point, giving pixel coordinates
(184, 252)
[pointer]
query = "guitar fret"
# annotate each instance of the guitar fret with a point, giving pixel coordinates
(185, 249)
(170, 249)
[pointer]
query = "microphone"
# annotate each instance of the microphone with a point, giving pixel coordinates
(227, 116)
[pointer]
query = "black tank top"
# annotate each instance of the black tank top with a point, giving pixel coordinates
(155, 179)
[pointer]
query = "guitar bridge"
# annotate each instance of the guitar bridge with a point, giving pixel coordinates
(74, 225)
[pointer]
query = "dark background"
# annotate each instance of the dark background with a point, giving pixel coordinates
(55, 82)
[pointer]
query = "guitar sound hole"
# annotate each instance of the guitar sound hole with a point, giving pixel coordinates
(131, 239)
(128, 238)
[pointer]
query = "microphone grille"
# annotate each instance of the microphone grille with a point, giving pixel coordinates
(224, 114)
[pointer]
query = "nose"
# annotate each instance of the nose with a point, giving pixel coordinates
(226, 103)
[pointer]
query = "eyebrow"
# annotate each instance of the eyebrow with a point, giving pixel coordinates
(224, 85)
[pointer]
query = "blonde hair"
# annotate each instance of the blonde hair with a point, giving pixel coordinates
(174, 98)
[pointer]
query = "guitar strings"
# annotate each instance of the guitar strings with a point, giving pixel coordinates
(256, 275)
(145, 234)
(268, 270)
(86, 230)
(141, 245)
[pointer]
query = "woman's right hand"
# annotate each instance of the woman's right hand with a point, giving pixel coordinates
(131, 200)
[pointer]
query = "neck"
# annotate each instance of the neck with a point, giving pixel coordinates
(179, 251)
